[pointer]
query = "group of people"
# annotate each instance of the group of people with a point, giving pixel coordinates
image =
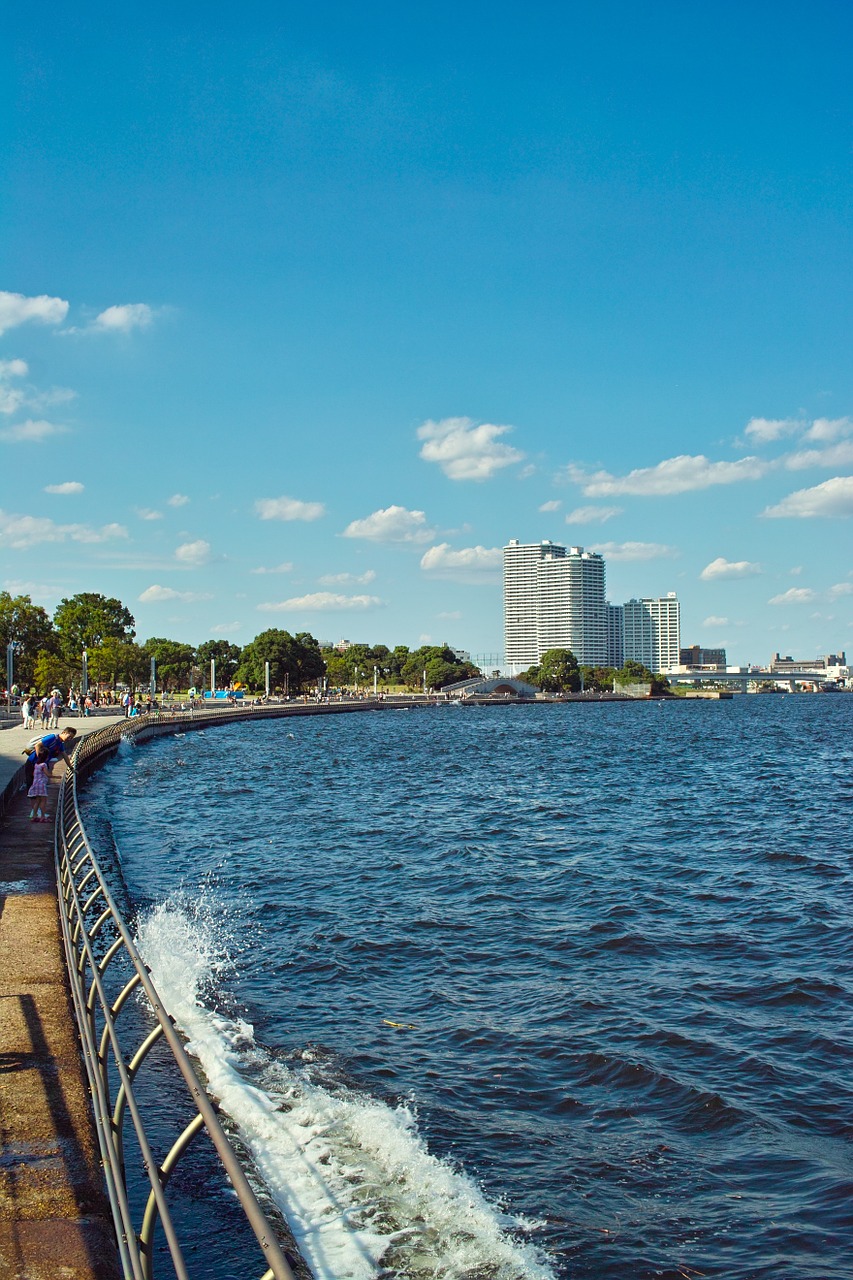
(47, 709)
(41, 758)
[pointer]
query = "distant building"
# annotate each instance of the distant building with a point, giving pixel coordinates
(554, 598)
(652, 630)
(615, 635)
(783, 665)
(696, 656)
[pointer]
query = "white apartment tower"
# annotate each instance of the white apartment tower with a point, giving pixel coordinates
(553, 599)
(652, 631)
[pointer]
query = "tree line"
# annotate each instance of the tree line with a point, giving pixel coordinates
(48, 653)
(558, 671)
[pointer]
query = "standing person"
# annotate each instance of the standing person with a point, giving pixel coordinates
(127, 703)
(44, 709)
(38, 786)
(27, 712)
(55, 708)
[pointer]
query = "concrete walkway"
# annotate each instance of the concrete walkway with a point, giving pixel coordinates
(55, 1222)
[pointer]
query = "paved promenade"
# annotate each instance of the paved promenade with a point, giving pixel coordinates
(55, 1223)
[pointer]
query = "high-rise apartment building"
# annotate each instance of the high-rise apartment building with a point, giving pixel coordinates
(615, 635)
(554, 598)
(652, 630)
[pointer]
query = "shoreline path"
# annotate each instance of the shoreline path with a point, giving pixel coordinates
(54, 1216)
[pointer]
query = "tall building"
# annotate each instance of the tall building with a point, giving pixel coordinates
(553, 599)
(652, 629)
(615, 635)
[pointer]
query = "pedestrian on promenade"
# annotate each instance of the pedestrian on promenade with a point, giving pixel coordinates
(38, 786)
(56, 746)
(127, 703)
(55, 709)
(44, 712)
(27, 712)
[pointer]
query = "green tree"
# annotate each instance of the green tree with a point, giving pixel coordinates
(440, 664)
(50, 671)
(86, 620)
(558, 671)
(117, 661)
(28, 626)
(174, 661)
(294, 661)
(226, 656)
(598, 679)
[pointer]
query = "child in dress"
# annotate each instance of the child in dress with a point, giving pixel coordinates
(38, 789)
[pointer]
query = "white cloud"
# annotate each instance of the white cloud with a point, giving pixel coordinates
(553, 505)
(795, 595)
(121, 319)
(840, 589)
(31, 432)
(156, 593)
(288, 509)
(826, 430)
(391, 524)
(194, 553)
(592, 515)
(635, 550)
(322, 602)
(348, 579)
(722, 568)
(674, 475)
(765, 430)
(21, 532)
(17, 309)
(67, 486)
(466, 450)
(714, 621)
(833, 455)
(833, 498)
(452, 615)
(284, 567)
(225, 628)
(145, 513)
(478, 561)
(11, 398)
(177, 500)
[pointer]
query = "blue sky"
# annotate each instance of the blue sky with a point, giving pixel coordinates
(354, 294)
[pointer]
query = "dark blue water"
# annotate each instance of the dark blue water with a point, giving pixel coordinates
(618, 938)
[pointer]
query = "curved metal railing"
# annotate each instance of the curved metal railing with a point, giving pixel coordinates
(97, 941)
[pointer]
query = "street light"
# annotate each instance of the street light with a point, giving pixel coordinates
(84, 680)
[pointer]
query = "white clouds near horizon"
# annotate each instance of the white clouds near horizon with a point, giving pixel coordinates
(592, 515)
(391, 524)
(636, 551)
(17, 308)
(67, 487)
(155, 594)
(177, 500)
(288, 509)
(322, 602)
(193, 553)
(795, 595)
(766, 430)
(721, 569)
(31, 432)
(682, 474)
(553, 505)
(465, 449)
(21, 532)
(347, 579)
(478, 561)
(123, 318)
(831, 500)
(714, 621)
(284, 567)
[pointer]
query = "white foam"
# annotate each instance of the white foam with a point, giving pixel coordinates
(363, 1195)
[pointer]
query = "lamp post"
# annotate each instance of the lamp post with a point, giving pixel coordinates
(10, 672)
(375, 678)
(267, 678)
(84, 678)
(212, 679)
(153, 685)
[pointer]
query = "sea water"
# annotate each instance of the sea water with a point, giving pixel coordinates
(517, 992)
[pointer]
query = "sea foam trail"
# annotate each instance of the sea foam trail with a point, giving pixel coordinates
(361, 1192)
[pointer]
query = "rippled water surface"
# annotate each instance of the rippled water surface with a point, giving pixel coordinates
(571, 983)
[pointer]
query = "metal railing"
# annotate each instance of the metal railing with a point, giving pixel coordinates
(100, 954)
